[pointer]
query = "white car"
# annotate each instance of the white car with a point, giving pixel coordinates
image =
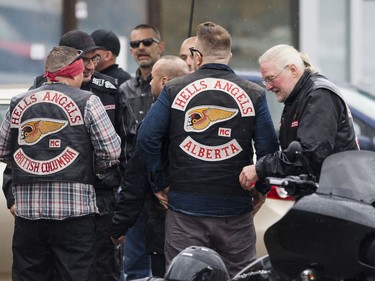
(6, 219)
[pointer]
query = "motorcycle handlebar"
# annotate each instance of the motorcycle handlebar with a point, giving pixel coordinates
(294, 185)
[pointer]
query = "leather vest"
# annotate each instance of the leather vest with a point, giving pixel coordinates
(103, 86)
(211, 128)
(51, 142)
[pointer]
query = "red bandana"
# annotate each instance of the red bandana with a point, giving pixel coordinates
(71, 71)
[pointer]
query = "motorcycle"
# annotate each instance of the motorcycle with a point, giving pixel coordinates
(329, 233)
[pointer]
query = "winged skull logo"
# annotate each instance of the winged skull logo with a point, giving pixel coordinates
(32, 131)
(202, 117)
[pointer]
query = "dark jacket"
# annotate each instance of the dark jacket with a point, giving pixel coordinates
(315, 115)
(135, 194)
(117, 72)
(135, 100)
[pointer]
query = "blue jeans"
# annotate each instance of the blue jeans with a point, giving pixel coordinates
(137, 263)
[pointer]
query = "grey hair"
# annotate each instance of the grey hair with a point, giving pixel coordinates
(283, 55)
(60, 57)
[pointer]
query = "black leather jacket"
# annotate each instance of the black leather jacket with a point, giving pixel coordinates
(135, 100)
(315, 115)
(135, 192)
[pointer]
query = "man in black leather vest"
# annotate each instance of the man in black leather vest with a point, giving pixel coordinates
(211, 117)
(57, 138)
(109, 260)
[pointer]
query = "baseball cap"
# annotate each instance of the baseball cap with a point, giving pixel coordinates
(107, 40)
(79, 40)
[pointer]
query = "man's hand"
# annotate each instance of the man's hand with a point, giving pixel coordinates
(258, 201)
(248, 177)
(119, 240)
(12, 209)
(163, 197)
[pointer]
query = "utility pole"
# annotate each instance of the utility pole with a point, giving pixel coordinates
(154, 13)
(69, 20)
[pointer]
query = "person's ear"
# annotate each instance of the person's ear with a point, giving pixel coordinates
(164, 80)
(108, 54)
(161, 47)
(294, 70)
(199, 60)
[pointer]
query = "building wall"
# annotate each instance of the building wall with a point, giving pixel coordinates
(336, 35)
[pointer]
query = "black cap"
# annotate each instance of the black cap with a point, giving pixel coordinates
(107, 39)
(79, 40)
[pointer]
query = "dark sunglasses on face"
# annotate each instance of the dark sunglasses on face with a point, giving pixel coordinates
(146, 42)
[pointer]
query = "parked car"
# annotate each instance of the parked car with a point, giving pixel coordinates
(6, 219)
(362, 106)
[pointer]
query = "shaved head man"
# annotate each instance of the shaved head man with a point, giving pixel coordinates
(185, 53)
(165, 69)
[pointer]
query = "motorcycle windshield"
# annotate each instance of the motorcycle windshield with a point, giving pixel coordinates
(349, 174)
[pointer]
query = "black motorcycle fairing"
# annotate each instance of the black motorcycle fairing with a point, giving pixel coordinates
(324, 233)
(367, 252)
(329, 233)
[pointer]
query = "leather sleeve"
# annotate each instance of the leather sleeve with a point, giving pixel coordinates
(131, 197)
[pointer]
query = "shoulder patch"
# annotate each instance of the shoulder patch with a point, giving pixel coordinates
(102, 83)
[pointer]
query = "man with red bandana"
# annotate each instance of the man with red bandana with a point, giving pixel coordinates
(56, 138)
(109, 259)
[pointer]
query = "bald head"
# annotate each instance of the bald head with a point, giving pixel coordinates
(165, 69)
(185, 52)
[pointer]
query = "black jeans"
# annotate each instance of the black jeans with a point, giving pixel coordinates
(108, 257)
(46, 250)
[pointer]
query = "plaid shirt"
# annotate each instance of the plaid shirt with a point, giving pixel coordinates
(61, 200)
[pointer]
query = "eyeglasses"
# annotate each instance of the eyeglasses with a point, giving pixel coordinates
(95, 59)
(193, 50)
(270, 79)
(146, 42)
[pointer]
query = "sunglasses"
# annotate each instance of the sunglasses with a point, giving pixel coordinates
(79, 56)
(193, 50)
(146, 42)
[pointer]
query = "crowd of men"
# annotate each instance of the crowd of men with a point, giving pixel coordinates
(111, 177)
